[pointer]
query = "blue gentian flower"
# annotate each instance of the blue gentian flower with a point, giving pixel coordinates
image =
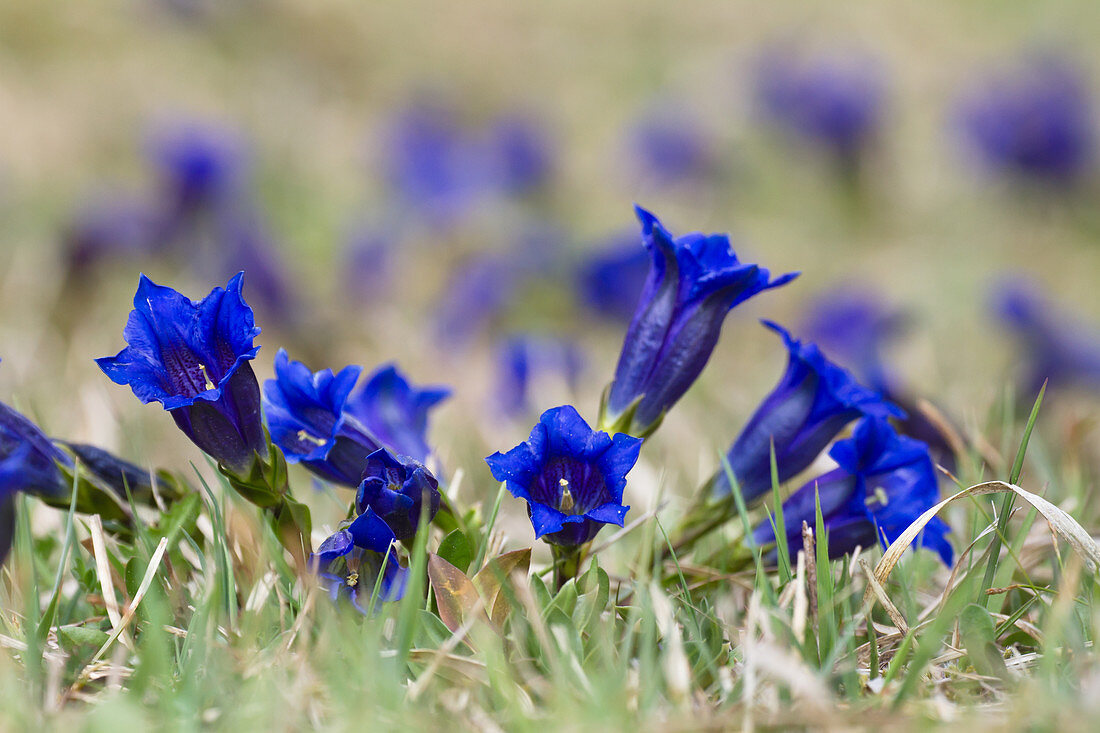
(477, 292)
(367, 262)
(670, 145)
(244, 243)
(395, 489)
(1035, 122)
(524, 357)
(834, 101)
(571, 476)
(12, 480)
(308, 421)
(693, 283)
(852, 326)
(813, 402)
(30, 462)
(33, 460)
(430, 162)
(199, 165)
(395, 411)
(193, 358)
(520, 152)
(884, 482)
(610, 280)
(109, 228)
(119, 475)
(347, 563)
(1057, 347)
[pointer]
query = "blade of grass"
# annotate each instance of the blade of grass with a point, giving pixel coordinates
(484, 546)
(826, 630)
(783, 557)
(70, 532)
(1006, 504)
(412, 601)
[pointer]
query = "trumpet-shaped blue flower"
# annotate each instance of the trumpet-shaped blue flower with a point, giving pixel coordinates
(884, 482)
(670, 146)
(834, 101)
(813, 402)
(476, 293)
(348, 562)
(395, 488)
(317, 421)
(429, 161)
(118, 474)
(1056, 346)
(853, 326)
(307, 419)
(522, 358)
(1035, 122)
(395, 411)
(693, 283)
(611, 280)
(109, 228)
(521, 153)
(30, 462)
(193, 358)
(199, 165)
(571, 476)
(31, 458)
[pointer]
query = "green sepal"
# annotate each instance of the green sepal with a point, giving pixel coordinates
(624, 421)
(266, 482)
(93, 496)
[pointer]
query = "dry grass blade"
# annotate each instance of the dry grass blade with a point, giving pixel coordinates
(880, 593)
(1062, 523)
(103, 570)
(131, 608)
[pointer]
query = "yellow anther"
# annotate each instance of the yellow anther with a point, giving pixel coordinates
(878, 496)
(305, 437)
(567, 502)
(353, 579)
(205, 376)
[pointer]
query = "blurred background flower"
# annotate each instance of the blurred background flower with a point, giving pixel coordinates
(1033, 119)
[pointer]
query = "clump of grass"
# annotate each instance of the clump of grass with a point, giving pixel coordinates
(199, 622)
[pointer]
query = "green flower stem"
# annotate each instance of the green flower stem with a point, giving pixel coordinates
(266, 484)
(567, 563)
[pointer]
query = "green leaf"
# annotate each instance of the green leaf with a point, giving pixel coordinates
(541, 592)
(979, 639)
(566, 599)
(596, 589)
(71, 637)
(455, 549)
(431, 631)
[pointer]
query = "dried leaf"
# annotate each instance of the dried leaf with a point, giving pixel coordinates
(454, 593)
(489, 581)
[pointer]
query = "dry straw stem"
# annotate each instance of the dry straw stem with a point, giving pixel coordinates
(127, 616)
(103, 570)
(1060, 522)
